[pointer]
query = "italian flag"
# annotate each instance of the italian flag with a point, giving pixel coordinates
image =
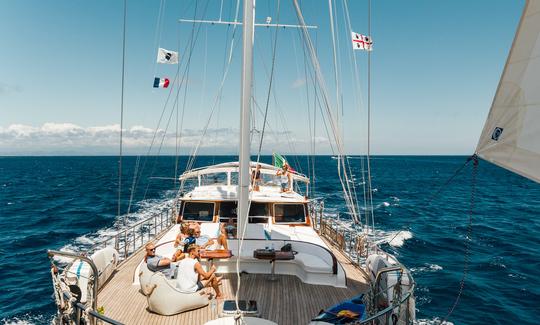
(279, 161)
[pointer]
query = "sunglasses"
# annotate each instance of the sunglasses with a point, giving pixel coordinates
(152, 250)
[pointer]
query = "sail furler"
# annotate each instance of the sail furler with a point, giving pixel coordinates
(511, 135)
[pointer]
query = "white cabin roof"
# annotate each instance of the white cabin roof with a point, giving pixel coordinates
(233, 167)
(229, 193)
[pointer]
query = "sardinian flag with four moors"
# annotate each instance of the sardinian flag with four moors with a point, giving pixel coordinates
(361, 42)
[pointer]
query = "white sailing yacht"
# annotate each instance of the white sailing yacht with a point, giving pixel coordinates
(285, 262)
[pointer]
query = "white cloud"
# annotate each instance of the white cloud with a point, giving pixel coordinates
(68, 138)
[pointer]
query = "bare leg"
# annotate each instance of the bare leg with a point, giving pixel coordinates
(215, 285)
(214, 282)
(222, 240)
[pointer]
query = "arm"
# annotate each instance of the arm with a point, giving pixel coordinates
(208, 243)
(204, 275)
(178, 239)
(164, 261)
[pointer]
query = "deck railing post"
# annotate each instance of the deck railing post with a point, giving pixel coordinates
(125, 244)
(133, 234)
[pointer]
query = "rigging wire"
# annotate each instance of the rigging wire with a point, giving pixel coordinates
(159, 28)
(218, 96)
(356, 93)
(468, 239)
(185, 83)
(307, 104)
(177, 131)
(122, 113)
(370, 190)
(133, 183)
(339, 111)
(157, 129)
(439, 190)
(327, 106)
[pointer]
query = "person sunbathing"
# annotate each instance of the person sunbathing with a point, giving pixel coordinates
(192, 277)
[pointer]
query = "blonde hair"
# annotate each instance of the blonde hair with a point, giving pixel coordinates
(192, 247)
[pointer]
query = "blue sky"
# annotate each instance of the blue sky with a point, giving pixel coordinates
(435, 68)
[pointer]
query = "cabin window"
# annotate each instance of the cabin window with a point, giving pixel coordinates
(258, 209)
(258, 212)
(228, 210)
(214, 179)
(199, 211)
(234, 178)
(271, 180)
(289, 213)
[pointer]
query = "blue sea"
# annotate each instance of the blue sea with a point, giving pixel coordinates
(70, 202)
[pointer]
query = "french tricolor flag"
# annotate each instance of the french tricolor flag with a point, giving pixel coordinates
(161, 82)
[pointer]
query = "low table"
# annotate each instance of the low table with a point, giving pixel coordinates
(273, 256)
(217, 253)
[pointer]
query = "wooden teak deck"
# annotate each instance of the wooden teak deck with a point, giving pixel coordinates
(287, 300)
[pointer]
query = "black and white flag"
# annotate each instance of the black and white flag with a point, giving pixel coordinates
(167, 57)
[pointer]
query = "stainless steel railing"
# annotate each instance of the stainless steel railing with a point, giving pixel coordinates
(128, 241)
(354, 245)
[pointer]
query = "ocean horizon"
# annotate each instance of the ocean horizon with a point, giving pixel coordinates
(70, 202)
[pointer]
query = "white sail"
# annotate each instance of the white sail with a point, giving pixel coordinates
(511, 135)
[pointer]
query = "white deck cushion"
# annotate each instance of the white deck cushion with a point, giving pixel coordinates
(313, 263)
(165, 299)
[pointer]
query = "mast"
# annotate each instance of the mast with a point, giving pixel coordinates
(247, 76)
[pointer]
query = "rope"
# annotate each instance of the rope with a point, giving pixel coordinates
(439, 190)
(466, 257)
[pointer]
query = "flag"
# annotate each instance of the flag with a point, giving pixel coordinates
(361, 42)
(279, 161)
(161, 82)
(166, 56)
